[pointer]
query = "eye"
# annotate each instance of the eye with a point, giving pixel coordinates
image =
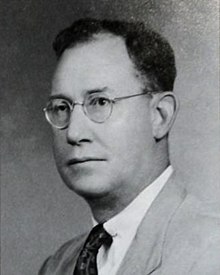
(99, 101)
(61, 107)
(58, 106)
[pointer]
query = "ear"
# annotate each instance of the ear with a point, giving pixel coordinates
(164, 110)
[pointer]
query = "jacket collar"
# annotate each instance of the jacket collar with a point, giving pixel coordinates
(145, 252)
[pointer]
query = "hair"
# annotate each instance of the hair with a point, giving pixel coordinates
(149, 51)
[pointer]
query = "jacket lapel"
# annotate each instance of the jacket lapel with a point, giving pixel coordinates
(145, 252)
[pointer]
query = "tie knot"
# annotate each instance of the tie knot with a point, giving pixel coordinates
(97, 237)
(86, 263)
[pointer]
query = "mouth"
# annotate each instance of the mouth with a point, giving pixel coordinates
(75, 161)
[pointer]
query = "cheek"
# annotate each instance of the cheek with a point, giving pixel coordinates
(131, 131)
(129, 141)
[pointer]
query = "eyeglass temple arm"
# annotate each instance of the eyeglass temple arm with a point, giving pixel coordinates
(129, 96)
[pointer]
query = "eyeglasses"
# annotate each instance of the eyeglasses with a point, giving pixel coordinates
(96, 106)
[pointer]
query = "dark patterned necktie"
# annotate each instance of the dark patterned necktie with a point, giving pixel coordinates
(86, 263)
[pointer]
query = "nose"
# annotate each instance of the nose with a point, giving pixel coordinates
(78, 131)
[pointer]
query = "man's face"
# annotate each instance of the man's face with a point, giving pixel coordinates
(116, 154)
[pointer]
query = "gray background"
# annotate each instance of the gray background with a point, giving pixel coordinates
(38, 212)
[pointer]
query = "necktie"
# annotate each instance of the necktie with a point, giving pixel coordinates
(86, 263)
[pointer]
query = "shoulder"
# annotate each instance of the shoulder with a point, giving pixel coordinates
(193, 237)
(64, 257)
(195, 216)
(194, 219)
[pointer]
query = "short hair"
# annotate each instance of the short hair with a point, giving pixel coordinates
(149, 51)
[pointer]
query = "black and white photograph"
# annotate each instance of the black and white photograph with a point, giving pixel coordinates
(110, 137)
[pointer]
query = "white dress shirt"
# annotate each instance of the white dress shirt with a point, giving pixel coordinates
(124, 225)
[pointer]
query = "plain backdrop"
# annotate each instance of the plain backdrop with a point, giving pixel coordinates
(38, 213)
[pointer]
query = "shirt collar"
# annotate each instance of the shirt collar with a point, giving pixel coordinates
(128, 220)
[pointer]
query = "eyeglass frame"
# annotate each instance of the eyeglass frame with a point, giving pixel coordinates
(72, 104)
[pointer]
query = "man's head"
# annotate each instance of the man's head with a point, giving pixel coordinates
(151, 53)
(114, 159)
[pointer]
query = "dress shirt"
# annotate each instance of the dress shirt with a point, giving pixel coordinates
(124, 225)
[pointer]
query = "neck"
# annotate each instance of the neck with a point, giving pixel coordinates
(106, 207)
(103, 209)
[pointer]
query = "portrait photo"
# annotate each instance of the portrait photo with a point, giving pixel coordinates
(110, 137)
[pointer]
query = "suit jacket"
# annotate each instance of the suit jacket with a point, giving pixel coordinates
(179, 235)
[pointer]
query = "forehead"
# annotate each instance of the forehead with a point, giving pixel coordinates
(102, 62)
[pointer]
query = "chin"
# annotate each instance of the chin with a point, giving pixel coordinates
(90, 193)
(87, 187)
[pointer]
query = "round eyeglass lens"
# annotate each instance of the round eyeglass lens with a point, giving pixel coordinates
(98, 107)
(58, 112)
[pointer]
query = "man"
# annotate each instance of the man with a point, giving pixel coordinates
(111, 109)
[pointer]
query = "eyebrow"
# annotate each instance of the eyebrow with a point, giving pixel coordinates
(93, 91)
(89, 92)
(61, 96)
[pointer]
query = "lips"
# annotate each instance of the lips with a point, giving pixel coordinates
(75, 161)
